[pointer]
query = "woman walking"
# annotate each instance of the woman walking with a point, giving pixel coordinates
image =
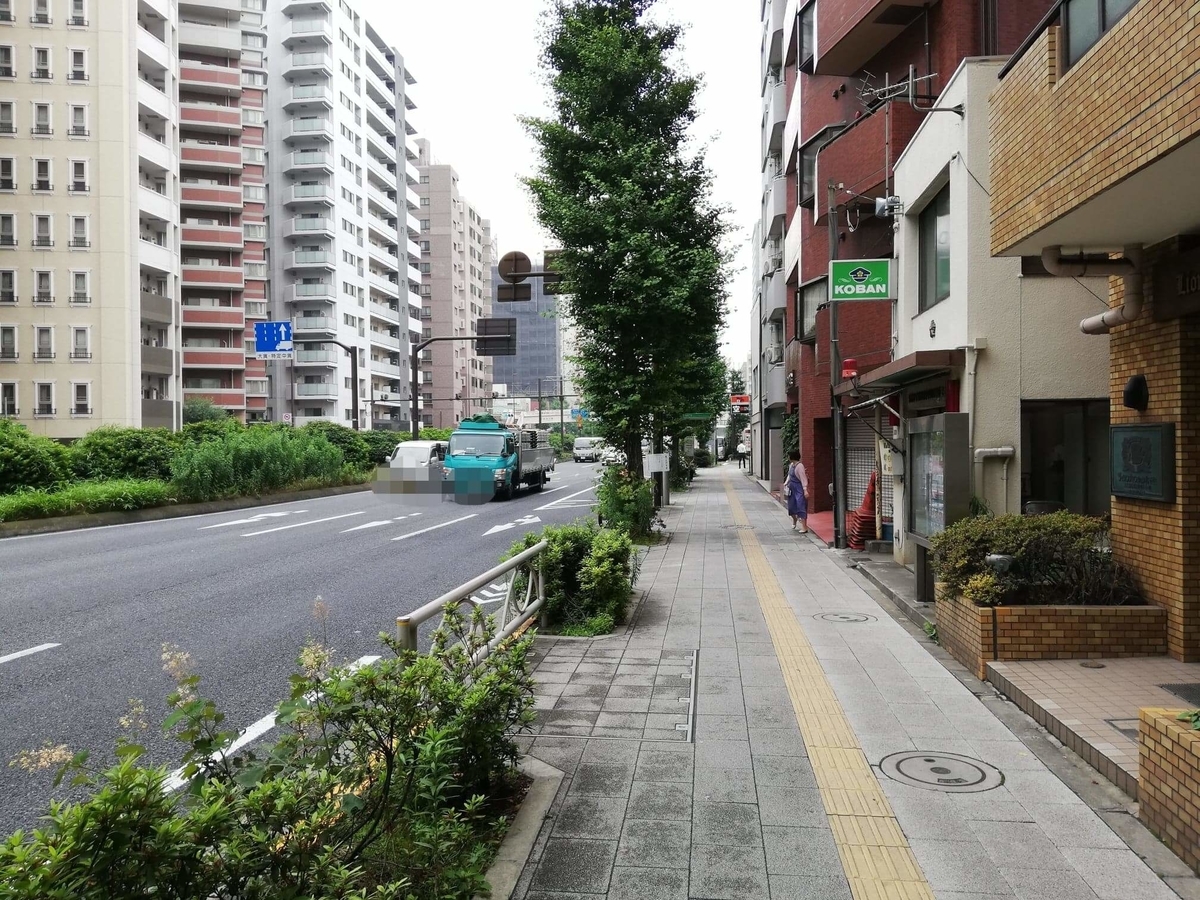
(796, 490)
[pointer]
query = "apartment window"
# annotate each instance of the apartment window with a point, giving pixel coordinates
(78, 14)
(8, 230)
(254, 79)
(79, 121)
(254, 231)
(255, 269)
(254, 41)
(43, 286)
(253, 116)
(41, 119)
(42, 231)
(8, 342)
(254, 192)
(807, 38)
(79, 179)
(41, 12)
(41, 63)
(1085, 21)
(8, 399)
(424, 201)
(43, 342)
(79, 288)
(425, 268)
(424, 179)
(79, 232)
(426, 312)
(8, 121)
(41, 175)
(935, 250)
(81, 398)
(7, 66)
(6, 13)
(427, 376)
(81, 347)
(78, 70)
(424, 246)
(8, 174)
(8, 286)
(45, 398)
(809, 297)
(425, 224)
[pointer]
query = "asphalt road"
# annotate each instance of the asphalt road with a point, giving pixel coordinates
(234, 590)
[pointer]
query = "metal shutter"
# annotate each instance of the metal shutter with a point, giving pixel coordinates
(860, 463)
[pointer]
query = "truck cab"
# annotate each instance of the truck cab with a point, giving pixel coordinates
(484, 452)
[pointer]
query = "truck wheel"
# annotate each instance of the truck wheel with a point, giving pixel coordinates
(541, 482)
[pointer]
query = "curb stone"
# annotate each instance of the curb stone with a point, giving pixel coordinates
(23, 527)
(518, 843)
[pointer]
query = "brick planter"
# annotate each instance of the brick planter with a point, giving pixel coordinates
(976, 635)
(1169, 781)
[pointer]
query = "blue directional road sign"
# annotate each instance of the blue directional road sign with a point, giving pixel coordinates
(273, 340)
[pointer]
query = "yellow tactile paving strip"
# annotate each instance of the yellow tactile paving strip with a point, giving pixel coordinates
(877, 860)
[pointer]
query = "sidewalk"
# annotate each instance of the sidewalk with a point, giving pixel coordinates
(796, 784)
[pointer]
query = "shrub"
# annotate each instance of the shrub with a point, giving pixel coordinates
(596, 625)
(606, 581)
(380, 445)
(210, 430)
(1058, 558)
(30, 460)
(355, 449)
(625, 502)
(435, 434)
(253, 461)
(124, 453)
(86, 497)
(201, 409)
(702, 458)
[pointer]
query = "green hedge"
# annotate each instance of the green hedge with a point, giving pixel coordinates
(86, 497)
(255, 461)
(30, 461)
(1060, 558)
(124, 453)
(625, 503)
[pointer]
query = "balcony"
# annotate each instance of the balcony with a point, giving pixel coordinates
(227, 277)
(303, 96)
(308, 227)
(300, 63)
(217, 119)
(158, 413)
(384, 284)
(774, 211)
(154, 50)
(384, 179)
(384, 203)
(302, 7)
(157, 258)
(209, 38)
(224, 237)
(157, 308)
(314, 325)
(856, 157)
(322, 391)
(323, 358)
(1071, 168)
(226, 398)
(775, 29)
(310, 259)
(381, 241)
(210, 157)
(158, 360)
(386, 313)
(776, 386)
(309, 193)
(152, 101)
(211, 79)
(308, 293)
(318, 128)
(224, 316)
(382, 124)
(154, 154)
(302, 30)
(157, 206)
(211, 196)
(383, 339)
(851, 32)
(774, 117)
(382, 367)
(308, 161)
(775, 295)
(214, 358)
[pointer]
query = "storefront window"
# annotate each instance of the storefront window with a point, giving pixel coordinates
(935, 250)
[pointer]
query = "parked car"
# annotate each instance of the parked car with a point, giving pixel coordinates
(587, 449)
(415, 467)
(611, 456)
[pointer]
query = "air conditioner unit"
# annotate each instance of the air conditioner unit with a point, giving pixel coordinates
(775, 353)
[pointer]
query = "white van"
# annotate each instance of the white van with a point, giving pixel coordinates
(587, 449)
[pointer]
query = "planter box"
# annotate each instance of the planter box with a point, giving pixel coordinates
(1169, 776)
(976, 635)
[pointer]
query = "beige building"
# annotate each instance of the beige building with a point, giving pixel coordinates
(457, 254)
(88, 154)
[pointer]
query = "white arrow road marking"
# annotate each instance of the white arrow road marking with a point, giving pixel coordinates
(561, 487)
(257, 730)
(253, 519)
(405, 537)
(562, 499)
(368, 525)
(524, 520)
(302, 524)
(32, 650)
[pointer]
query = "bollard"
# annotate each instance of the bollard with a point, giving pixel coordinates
(407, 632)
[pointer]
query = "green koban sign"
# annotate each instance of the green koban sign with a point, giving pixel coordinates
(861, 279)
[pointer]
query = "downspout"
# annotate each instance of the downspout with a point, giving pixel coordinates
(1005, 453)
(1128, 267)
(928, 52)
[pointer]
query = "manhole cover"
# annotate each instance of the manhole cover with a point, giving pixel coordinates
(1189, 692)
(1091, 664)
(844, 618)
(947, 772)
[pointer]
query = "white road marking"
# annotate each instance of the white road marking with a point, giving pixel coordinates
(562, 499)
(561, 487)
(32, 650)
(253, 519)
(255, 731)
(524, 520)
(302, 524)
(368, 525)
(405, 537)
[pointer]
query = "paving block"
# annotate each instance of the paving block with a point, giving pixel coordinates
(602, 780)
(801, 851)
(659, 765)
(660, 800)
(794, 806)
(777, 742)
(724, 786)
(723, 754)
(648, 884)
(655, 844)
(583, 816)
(958, 866)
(569, 865)
(728, 873)
(1019, 845)
(809, 887)
(721, 728)
(727, 824)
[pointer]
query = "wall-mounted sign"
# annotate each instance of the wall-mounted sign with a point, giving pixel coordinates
(862, 279)
(739, 403)
(1142, 462)
(1177, 285)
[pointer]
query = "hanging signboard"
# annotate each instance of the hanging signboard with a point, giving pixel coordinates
(862, 279)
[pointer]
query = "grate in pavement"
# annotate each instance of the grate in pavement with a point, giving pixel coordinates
(1127, 727)
(947, 772)
(1189, 692)
(845, 618)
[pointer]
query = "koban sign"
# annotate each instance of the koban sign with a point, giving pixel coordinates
(861, 279)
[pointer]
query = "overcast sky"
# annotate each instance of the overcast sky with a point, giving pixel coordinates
(476, 65)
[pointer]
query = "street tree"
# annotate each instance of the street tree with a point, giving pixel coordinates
(628, 199)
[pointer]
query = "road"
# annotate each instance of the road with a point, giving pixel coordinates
(84, 614)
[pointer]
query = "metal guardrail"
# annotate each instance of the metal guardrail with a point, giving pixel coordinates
(524, 597)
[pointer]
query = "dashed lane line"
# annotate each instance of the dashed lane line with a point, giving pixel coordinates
(32, 650)
(563, 499)
(411, 534)
(303, 524)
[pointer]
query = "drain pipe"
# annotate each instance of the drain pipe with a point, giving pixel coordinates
(1005, 453)
(1129, 268)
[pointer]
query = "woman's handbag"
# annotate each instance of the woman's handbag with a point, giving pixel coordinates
(787, 484)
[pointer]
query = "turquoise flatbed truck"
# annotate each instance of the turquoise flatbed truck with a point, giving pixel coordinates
(485, 452)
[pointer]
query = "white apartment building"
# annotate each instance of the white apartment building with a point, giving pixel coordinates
(343, 262)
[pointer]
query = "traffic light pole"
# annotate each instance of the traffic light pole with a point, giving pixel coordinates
(835, 372)
(353, 351)
(415, 365)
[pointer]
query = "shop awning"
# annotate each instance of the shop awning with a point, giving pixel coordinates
(905, 370)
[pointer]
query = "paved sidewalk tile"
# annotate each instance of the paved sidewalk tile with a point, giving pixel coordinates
(779, 794)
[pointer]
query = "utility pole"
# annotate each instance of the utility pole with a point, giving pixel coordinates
(562, 427)
(415, 363)
(835, 371)
(353, 351)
